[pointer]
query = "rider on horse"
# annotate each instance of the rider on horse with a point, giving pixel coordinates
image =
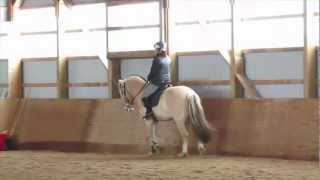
(158, 78)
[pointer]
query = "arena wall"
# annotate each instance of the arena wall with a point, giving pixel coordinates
(266, 128)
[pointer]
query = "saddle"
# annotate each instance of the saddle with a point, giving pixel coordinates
(153, 99)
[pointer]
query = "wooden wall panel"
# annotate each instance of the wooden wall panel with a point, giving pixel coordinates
(268, 128)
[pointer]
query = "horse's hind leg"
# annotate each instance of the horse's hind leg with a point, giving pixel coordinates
(184, 136)
(201, 148)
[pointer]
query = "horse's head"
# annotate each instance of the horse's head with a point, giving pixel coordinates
(130, 89)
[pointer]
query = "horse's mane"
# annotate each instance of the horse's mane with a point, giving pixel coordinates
(139, 76)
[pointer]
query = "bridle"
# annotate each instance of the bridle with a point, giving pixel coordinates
(126, 94)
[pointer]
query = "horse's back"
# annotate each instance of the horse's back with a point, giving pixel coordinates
(173, 99)
(178, 91)
(172, 104)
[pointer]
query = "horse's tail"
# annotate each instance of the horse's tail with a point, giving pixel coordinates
(197, 118)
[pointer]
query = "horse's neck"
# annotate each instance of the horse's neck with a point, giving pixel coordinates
(137, 85)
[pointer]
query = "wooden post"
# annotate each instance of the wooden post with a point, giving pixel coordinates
(62, 65)
(236, 63)
(168, 34)
(14, 63)
(162, 20)
(18, 3)
(310, 64)
(15, 78)
(114, 74)
(10, 10)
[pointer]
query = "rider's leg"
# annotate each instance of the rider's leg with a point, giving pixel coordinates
(147, 104)
(148, 91)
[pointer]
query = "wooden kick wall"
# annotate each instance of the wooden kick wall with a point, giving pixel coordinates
(268, 128)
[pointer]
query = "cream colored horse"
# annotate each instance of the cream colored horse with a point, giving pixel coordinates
(180, 104)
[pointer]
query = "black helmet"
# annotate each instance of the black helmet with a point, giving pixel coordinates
(160, 45)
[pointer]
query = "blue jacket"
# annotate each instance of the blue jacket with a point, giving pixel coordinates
(160, 70)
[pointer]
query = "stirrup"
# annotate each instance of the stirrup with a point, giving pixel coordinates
(148, 116)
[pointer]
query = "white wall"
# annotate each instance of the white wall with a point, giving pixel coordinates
(4, 45)
(3, 14)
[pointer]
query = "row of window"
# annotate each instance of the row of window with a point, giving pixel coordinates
(265, 69)
(196, 25)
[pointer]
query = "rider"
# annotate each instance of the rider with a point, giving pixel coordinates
(158, 77)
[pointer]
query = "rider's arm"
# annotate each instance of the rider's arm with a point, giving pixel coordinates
(154, 67)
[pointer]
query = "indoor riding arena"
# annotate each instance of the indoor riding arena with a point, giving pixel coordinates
(70, 108)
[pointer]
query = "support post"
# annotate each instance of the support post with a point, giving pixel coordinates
(236, 63)
(62, 64)
(15, 63)
(310, 64)
(114, 74)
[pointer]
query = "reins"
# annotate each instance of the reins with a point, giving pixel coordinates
(130, 102)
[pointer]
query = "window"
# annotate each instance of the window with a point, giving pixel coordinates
(88, 78)
(3, 10)
(200, 25)
(37, 32)
(40, 78)
(133, 27)
(83, 33)
(271, 23)
(4, 45)
(4, 79)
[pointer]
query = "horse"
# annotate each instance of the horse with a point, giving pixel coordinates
(178, 103)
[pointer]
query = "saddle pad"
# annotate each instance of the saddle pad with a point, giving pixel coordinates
(155, 97)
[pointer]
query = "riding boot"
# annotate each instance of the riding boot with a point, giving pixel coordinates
(149, 113)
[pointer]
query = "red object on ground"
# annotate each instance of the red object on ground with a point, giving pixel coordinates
(3, 141)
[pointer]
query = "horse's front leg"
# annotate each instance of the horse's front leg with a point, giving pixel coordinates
(151, 138)
(155, 147)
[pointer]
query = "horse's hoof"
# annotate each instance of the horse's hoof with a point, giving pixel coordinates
(155, 149)
(182, 155)
(202, 151)
(151, 154)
